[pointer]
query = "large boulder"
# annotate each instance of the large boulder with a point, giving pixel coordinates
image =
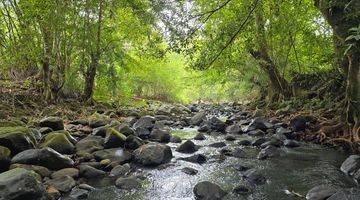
(160, 135)
(18, 184)
(55, 123)
(17, 138)
(146, 122)
(153, 154)
(198, 118)
(4, 158)
(117, 155)
(114, 139)
(59, 142)
(351, 165)
(320, 192)
(45, 157)
(206, 190)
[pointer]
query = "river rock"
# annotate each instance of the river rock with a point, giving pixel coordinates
(269, 152)
(291, 143)
(300, 123)
(17, 139)
(128, 183)
(244, 143)
(160, 135)
(4, 158)
(175, 139)
(217, 144)
(117, 155)
(55, 123)
(351, 165)
(187, 147)
(153, 154)
(281, 132)
(19, 183)
(63, 184)
(242, 190)
(254, 176)
(42, 171)
(89, 172)
(59, 142)
(258, 142)
(198, 118)
(11, 123)
(45, 130)
(320, 192)
(239, 153)
(46, 157)
(125, 129)
(132, 142)
(146, 122)
(72, 172)
(142, 133)
(120, 170)
(204, 128)
(189, 171)
(346, 194)
(78, 193)
(114, 139)
(199, 136)
(216, 124)
(234, 129)
(89, 144)
(197, 158)
(230, 138)
(206, 190)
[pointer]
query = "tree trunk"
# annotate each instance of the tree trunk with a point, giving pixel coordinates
(343, 15)
(278, 83)
(46, 63)
(95, 58)
(90, 77)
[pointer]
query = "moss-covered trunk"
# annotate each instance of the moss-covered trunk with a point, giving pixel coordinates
(343, 15)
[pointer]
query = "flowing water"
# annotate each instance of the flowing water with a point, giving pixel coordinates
(297, 171)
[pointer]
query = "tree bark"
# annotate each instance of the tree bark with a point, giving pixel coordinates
(46, 63)
(343, 15)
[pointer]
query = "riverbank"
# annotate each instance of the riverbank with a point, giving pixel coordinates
(75, 149)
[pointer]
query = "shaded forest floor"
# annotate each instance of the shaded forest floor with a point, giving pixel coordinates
(324, 124)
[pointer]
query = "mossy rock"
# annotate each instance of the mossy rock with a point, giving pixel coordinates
(4, 158)
(114, 139)
(97, 120)
(59, 142)
(17, 138)
(66, 133)
(11, 123)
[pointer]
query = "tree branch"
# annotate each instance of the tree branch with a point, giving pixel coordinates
(236, 33)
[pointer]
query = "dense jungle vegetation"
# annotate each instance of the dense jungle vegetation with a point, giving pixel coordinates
(279, 53)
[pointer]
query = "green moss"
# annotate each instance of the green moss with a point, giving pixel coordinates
(17, 130)
(11, 123)
(18, 171)
(4, 152)
(110, 132)
(184, 134)
(59, 142)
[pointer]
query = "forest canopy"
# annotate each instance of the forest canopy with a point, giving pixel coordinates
(184, 51)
